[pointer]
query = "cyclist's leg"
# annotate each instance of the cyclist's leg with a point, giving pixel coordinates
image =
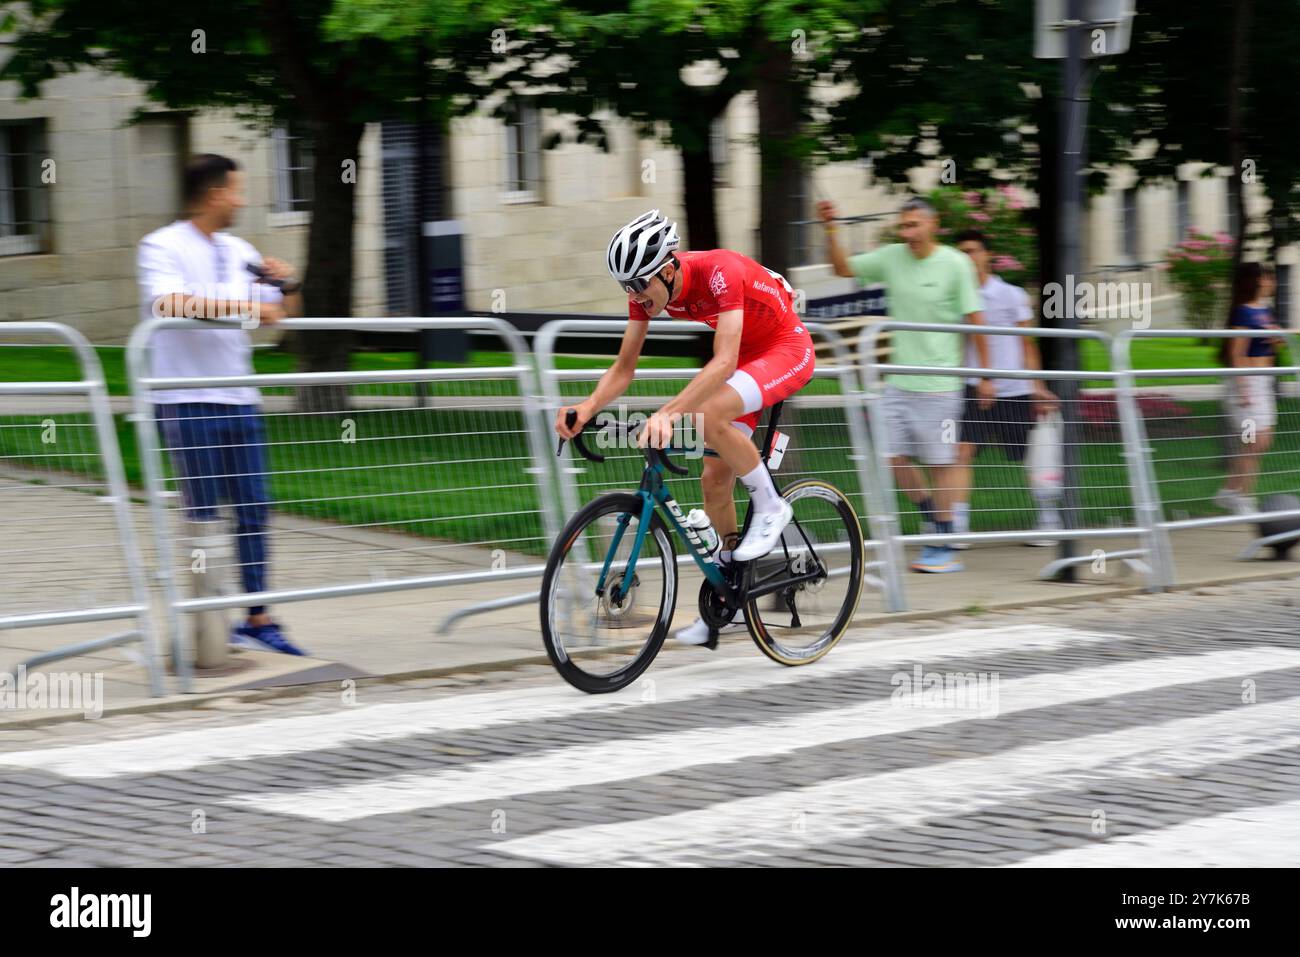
(761, 382)
(717, 482)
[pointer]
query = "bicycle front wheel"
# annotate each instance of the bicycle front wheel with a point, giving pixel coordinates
(601, 626)
(801, 621)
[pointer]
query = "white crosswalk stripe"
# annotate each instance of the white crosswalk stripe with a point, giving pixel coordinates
(184, 750)
(848, 800)
(849, 810)
(1251, 837)
(659, 754)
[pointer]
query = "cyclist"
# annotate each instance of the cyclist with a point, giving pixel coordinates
(762, 353)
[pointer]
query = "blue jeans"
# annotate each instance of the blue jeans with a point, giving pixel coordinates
(219, 452)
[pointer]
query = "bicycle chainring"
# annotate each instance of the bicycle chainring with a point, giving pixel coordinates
(713, 609)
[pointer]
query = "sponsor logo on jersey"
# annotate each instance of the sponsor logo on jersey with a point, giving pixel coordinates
(717, 282)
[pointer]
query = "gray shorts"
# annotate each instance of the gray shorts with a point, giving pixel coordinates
(924, 426)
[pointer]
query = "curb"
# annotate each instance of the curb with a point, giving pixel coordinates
(197, 701)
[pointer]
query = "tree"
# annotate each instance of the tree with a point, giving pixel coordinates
(271, 61)
(581, 58)
(958, 81)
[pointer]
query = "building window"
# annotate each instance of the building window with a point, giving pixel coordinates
(291, 170)
(1183, 210)
(408, 205)
(1130, 224)
(718, 149)
(523, 154)
(24, 208)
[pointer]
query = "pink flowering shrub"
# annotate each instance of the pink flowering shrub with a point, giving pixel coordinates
(1200, 269)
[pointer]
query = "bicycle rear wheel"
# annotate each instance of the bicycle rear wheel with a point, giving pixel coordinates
(800, 623)
(601, 635)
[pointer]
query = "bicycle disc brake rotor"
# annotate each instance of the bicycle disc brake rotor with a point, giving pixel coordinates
(616, 611)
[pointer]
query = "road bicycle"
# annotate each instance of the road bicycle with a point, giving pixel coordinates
(610, 587)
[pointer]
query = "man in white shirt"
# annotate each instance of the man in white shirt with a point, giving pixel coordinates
(193, 268)
(1019, 401)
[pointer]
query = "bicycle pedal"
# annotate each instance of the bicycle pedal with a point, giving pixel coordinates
(712, 643)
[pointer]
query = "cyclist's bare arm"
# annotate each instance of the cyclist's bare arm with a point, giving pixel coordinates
(834, 251)
(726, 353)
(611, 385)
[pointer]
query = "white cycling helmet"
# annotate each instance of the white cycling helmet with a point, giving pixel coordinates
(639, 250)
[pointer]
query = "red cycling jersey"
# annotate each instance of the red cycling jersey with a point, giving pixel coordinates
(715, 281)
(776, 356)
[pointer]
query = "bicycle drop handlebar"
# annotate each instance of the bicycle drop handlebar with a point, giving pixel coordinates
(653, 456)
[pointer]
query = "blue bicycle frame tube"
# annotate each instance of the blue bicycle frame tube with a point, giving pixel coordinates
(613, 547)
(647, 510)
(694, 544)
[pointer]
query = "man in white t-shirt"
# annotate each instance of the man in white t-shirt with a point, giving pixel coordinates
(1019, 401)
(192, 268)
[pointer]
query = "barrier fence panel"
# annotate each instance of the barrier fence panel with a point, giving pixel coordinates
(1225, 441)
(1006, 466)
(329, 484)
(827, 441)
(69, 554)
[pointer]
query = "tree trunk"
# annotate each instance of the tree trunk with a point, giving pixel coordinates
(1049, 197)
(698, 194)
(780, 170)
(327, 283)
(1243, 11)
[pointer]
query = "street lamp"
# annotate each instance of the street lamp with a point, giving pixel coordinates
(1075, 31)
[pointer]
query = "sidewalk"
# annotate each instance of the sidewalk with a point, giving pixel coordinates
(396, 634)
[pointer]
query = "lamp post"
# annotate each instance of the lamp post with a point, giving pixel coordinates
(1078, 32)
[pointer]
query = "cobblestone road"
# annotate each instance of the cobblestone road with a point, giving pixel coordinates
(1159, 730)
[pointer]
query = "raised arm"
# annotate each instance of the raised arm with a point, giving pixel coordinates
(610, 385)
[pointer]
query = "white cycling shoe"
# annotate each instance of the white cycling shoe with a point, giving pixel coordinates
(697, 632)
(764, 532)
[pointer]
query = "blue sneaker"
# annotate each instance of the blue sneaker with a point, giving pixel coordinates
(263, 638)
(937, 559)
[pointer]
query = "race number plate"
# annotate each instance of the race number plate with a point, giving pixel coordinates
(778, 451)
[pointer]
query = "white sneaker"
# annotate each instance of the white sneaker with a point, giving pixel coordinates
(697, 632)
(1235, 502)
(1047, 522)
(764, 532)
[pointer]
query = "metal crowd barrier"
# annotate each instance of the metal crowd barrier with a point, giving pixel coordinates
(361, 481)
(828, 440)
(1112, 496)
(1197, 441)
(69, 553)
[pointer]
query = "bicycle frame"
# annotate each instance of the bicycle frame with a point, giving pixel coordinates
(653, 491)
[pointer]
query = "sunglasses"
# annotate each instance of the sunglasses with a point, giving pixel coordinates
(638, 286)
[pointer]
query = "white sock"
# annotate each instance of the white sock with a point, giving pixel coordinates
(724, 556)
(961, 517)
(762, 492)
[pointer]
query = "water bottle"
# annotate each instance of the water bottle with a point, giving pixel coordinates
(698, 519)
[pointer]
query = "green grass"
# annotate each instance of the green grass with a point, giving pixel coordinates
(1189, 353)
(460, 474)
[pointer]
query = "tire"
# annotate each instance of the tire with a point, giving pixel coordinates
(561, 565)
(769, 637)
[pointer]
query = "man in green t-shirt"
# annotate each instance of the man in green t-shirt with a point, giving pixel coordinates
(931, 283)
